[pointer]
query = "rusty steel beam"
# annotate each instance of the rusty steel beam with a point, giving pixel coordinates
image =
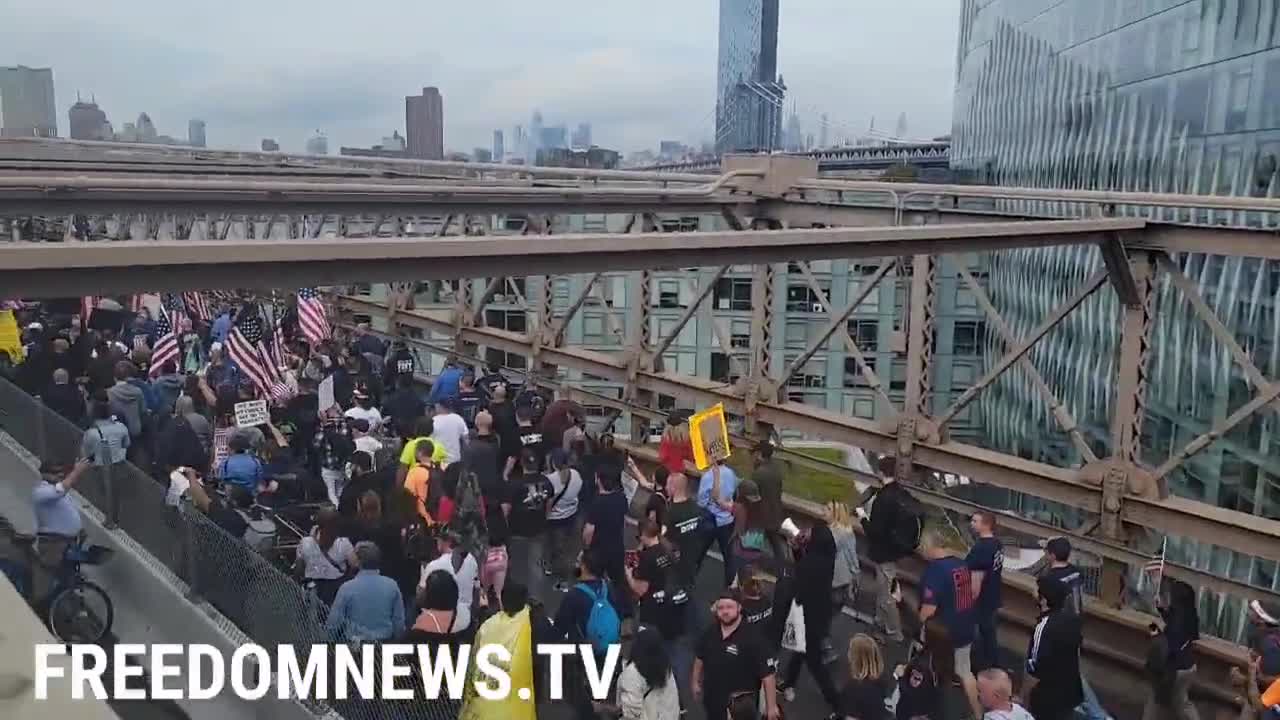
(38, 270)
(1230, 529)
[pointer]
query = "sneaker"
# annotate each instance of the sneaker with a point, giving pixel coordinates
(788, 693)
(562, 587)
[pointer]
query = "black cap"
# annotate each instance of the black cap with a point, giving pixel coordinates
(730, 594)
(1059, 548)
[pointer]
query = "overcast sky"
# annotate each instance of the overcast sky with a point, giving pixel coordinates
(640, 72)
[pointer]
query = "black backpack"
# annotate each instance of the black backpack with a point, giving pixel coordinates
(908, 524)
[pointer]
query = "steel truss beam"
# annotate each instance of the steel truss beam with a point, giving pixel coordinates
(1238, 531)
(38, 270)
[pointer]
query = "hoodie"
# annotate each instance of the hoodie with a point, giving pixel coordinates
(127, 404)
(1053, 656)
(166, 390)
(814, 570)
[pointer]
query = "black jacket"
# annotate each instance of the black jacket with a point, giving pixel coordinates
(1053, 656)
(814, 569)
(885, 512)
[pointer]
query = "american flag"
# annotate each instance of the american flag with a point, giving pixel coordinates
(248, 349)
(197, 307)
(168, 347)
(1154, 568)
(312, 317)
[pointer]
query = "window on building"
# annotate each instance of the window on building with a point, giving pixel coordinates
(866, 333)
(732, 294)
(967, 337)
(1237, 117)
(592, 329)
(721, 368)
(797, 333)
(853, 376)
(812, 374)
(559, 290)
(740, 334)
(511, 320)
(1191, 101)
(669, 294)
(801, 298)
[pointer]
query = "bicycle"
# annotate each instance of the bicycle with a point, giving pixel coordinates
(77, 610)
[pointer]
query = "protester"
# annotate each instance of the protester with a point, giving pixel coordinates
(675, 449)
(418, 481)
(527, 519)
(65, 398)
(562, 511)
(449, 430)
(403, 406)
(372, 526)
(518, 628)
(885, 547)
(325, 557)
(422, 430)
(507, 430)
(179, 443)
(58, 524)
(166, 387)
(922, 681)
(768, 475)
(1060, 569)
(530, 438)
(482, 456)
(733, 660)
(363, 441)
(127, 401)
(748, 527)
(995, 692)
(986, 565)
(946, 590)
(814, 569)
(446, 384)
(715, 497)
(455, 560)
(588, 615)
(107, 440)
(364, 410)
(470, 399)
(1173, 668)
(647, 687)
(363, 479)
(1053, 658)
(602, 530)
(243, 468)
(863, 697)
(368, 607)
(848, 571)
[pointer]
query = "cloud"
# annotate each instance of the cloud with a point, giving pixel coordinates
(639, 72)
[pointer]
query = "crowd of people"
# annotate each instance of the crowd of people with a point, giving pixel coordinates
(441, 516)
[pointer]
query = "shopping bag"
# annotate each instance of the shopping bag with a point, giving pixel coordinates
(793, 632)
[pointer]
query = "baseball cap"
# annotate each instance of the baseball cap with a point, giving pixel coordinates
(1059, 548)
(748, 490)
(733, 594)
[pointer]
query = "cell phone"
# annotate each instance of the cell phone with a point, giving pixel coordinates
(632, 559)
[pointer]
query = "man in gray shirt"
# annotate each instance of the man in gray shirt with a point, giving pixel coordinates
(107, 439)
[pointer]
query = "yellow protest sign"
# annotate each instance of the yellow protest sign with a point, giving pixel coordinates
(709, 435)
(10, 338)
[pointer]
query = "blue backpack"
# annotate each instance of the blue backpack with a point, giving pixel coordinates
(604, 627)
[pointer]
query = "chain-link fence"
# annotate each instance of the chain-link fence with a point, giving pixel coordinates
(259, 600)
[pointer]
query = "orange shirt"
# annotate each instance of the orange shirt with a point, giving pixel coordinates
(418, 483)
(1271, 697)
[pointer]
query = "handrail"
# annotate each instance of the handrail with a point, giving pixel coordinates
(1102, 197)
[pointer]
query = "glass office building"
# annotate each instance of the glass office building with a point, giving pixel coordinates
(1134, 95)
(749, 94)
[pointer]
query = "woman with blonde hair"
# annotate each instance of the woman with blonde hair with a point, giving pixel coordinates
(844, 580)
(676, 449)
(863, 697)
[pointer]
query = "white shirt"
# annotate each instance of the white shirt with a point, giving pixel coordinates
(449, 430)
(369, 445)
(567, 505)
(315, 567)
(637, 702)
(1017, 713)
(466, 579)
(372, 415)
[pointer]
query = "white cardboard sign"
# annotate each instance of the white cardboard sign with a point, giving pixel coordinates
(251, 413)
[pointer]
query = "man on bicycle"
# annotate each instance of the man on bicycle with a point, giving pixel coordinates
(58, 525)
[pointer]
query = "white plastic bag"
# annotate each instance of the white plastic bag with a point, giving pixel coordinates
(793, 633)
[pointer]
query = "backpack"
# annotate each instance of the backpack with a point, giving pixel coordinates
(908, 525)
(260, 533)
(604, 628)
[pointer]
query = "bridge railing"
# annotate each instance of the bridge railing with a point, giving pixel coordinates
(259, 601)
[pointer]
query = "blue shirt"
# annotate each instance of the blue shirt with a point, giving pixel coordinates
(242, 469)
(56, 513)
(728, 486)
(987, 555)
(947, 585)
(221, 328)
(445, 386)
(368, 607)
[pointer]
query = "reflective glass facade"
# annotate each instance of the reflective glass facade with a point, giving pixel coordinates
(1134, 95)
(748, 94)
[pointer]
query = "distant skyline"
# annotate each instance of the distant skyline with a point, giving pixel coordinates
(638, 72)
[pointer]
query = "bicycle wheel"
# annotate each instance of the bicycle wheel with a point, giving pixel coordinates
(82, 613)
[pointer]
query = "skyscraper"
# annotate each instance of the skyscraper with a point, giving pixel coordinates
(146, 129)
(749, 93)
(1163, 98)
(195, 133)
(317, 144)
(535, 138)
(26, 102)
(499, 149)
(424, 124)
(581, 137)
(87, 121)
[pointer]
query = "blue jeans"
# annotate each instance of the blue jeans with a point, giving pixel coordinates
(1090, 709)
(986, 649)
(681, 652)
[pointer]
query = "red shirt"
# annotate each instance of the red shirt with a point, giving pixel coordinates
(673, 457)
